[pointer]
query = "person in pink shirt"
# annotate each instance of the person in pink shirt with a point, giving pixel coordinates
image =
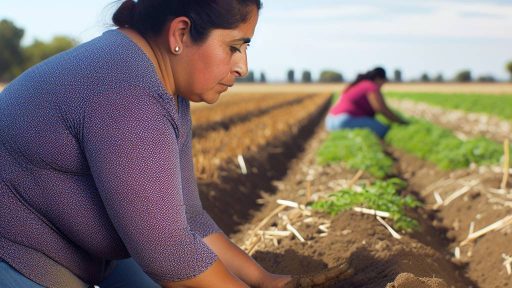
(359, 103)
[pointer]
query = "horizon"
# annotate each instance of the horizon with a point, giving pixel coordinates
(349, 37)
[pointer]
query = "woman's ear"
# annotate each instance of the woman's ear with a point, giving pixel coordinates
(178, 32)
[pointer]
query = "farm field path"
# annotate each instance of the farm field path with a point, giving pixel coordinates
(464, 124)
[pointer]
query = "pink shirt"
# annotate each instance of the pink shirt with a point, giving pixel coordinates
(355, 101)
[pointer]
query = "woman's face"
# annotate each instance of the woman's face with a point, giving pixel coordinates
(208, 69)
(380, 82)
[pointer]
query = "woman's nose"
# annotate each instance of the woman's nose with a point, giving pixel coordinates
(240, 68)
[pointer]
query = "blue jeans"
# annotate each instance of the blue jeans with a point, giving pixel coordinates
(345, 121)
(126, 274)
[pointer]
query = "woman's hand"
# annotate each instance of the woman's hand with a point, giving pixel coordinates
(274, 281)
(242, 265)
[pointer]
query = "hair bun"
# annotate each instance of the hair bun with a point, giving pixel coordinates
(125, 14)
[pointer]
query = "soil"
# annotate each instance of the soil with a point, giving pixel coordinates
(483, 257)
(374, 257)
(407, 280)
(231, 199)
(225, 123)
(356, 250)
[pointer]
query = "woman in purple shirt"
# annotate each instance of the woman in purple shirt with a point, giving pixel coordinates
(95, 155)
(360, 101)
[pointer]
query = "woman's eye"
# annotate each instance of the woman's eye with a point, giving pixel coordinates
(235, 49)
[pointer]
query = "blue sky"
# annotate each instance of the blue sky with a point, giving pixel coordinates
(350, 36)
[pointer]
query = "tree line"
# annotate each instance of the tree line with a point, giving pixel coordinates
(330, 76)
(15, 58)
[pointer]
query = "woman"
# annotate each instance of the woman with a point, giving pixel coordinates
(360, 101)
(95, 155)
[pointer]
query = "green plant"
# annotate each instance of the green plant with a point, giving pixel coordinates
(357, 149)
(381, 195)
(498, 105)
(439, 146)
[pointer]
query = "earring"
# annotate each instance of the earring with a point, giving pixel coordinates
(177, 49)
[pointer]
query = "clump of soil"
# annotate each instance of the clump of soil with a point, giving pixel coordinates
(407, 280)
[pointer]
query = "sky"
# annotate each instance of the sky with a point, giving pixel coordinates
(348, 36)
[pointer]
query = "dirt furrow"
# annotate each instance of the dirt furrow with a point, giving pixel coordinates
(480, 203)
(231, 198)
(200, 130)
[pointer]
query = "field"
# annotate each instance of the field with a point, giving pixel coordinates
(430, 206)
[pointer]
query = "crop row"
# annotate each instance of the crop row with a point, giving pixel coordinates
(441, 147)
(243, 106)
(357, 149)
(381, 195)
(221, 146)
(361, 149)
(498, 105)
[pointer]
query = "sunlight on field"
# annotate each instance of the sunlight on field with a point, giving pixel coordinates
(493, 88)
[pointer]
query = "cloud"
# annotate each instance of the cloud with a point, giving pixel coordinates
(455, 19)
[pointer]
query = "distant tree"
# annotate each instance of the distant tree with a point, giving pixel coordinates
(463, 76)
(329, 76)
(439, 78)
(249, 78)
(486, 78)
(39, 51)
(11, 53)
(509, 69)
(291, 76)
(263, 78)
(398, 75)
(306, 77)
(425, 78)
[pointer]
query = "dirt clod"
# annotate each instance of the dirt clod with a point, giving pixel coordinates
(407, 280)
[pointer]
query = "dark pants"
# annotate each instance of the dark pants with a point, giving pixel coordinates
(345, 121)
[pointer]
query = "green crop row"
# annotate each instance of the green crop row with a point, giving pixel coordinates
(499, 105)
(441, 147)
(356, 149)
(381, 195)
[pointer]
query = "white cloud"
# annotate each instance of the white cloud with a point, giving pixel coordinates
(430, 19)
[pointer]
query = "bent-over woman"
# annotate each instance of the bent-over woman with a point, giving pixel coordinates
(361, 100)
(96, 161)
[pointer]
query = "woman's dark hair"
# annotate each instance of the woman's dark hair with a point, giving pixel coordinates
(372, 75)
(149, 17)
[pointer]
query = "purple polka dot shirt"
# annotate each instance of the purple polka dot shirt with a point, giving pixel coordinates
(96, 165)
